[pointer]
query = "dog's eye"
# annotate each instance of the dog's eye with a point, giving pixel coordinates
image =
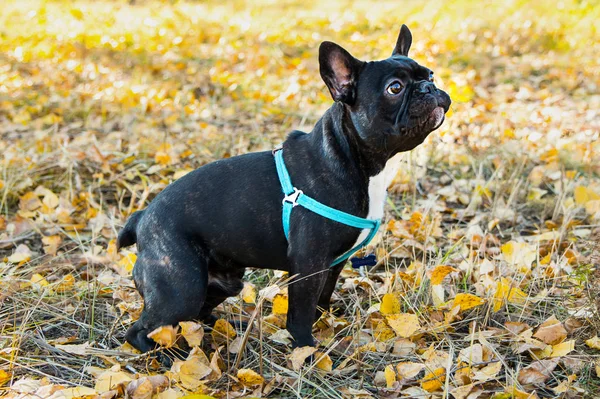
(431, 76)
(394, 88)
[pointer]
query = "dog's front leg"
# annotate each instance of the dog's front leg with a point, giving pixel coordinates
(304, 293)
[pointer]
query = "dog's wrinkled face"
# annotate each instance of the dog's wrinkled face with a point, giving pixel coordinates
(393, 103)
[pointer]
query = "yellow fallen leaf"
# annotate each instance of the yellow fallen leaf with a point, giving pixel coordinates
(39, 280)
(164, 336)
(192, 332)
(563, 349)
(127, 262)
(390, 304)
(249, 378)
(50, 200)
(404, 324)
(324, 362)
(565, 385)
(434, 381)
(505, 292)
(191, 371)
(172, 393)
(299, 356)
(29, 202)
(4, 377)
(381, 331)
(21, 255)
(66, 284)
(223, 331)
(51, 244)
(248, 293)
(109, 379)
(542, 353)
(76, 392)
(439, 273)
(488, 372)
(584, 194)
(593, 342)
(280, 304)
(519, 254)
(467, 301)
(390, 376)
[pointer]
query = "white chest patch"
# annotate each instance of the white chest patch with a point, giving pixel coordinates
(378, 186)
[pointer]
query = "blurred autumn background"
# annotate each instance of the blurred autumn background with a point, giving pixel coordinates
(487, 278)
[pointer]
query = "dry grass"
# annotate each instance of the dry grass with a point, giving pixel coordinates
(104, 103)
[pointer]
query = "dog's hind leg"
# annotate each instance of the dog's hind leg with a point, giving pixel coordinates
(173, 283)
(220, 287)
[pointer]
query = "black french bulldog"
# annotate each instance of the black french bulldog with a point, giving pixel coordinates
(198, 235)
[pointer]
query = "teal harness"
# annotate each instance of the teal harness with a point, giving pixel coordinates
(294, 197)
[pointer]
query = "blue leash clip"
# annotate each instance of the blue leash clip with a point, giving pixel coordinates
(361, 263)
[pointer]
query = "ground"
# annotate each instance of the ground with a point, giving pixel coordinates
(487, 275)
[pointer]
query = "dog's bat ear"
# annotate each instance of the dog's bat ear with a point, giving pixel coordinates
(339, 70)
(403, 43)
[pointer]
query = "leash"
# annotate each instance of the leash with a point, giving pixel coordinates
(294, 197)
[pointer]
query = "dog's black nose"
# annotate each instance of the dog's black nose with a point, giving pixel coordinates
(427, 87)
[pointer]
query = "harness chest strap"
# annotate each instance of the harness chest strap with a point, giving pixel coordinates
(294, 197)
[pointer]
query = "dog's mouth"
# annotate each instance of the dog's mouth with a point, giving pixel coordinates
(436, 118)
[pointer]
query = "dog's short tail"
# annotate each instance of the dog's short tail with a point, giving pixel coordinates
(128, 236)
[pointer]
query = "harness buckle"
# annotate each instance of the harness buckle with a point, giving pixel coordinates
(293, 197)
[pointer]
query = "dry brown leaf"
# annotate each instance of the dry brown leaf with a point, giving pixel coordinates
(109, 379)
(408, 370)
(471, 354)
(470, 391)
(190, 372)
(145, 387)
(551, 331)
(403, 347)
(299, 355)
(537, 372)
(78, 349)
(21, 255)
(516, 327)
(487, 372)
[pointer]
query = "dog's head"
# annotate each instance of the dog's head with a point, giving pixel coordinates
(393, 103)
